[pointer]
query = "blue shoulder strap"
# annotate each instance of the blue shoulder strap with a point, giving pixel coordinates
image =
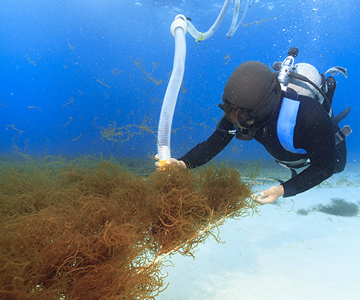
(286, 123)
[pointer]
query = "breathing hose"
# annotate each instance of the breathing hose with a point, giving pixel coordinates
(199, 36)
(232, 31)
(235, 17)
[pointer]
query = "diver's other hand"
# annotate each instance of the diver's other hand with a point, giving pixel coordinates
(270, 195)
(169, 162)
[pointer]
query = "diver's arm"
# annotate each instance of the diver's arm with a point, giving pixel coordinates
(207, 150)
(307, 179)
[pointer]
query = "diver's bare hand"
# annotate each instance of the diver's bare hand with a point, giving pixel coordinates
(169, 162)
(269, 196)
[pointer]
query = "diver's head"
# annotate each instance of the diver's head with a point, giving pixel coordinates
(251, 94)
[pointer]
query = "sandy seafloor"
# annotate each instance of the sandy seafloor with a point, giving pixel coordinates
(278, 253)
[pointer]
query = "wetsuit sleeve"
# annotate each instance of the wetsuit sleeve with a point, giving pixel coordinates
(313, 133)
(207, 150)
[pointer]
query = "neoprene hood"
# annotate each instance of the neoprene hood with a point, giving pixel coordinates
(253, 86)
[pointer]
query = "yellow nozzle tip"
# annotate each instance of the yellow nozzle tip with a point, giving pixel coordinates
(163, 162)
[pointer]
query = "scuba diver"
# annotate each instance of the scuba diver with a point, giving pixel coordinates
(288, 112)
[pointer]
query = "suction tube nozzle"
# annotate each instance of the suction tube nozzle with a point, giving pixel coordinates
(178, 30)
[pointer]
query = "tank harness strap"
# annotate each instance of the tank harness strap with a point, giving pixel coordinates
(287, 121)
(342, 134)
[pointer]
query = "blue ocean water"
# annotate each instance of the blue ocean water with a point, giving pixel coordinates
(83, 77)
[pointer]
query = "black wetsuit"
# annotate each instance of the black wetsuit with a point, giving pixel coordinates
(314, 132)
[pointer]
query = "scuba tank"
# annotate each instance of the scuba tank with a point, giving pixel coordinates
(305, 80)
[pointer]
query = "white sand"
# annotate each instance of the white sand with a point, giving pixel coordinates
(277, 255)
